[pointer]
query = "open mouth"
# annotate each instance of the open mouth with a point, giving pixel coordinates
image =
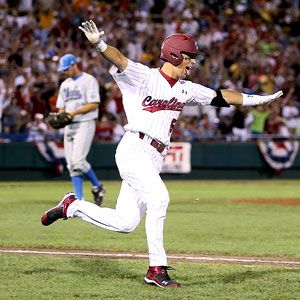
(188, 70)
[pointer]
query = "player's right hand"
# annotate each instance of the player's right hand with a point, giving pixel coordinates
(91, 31)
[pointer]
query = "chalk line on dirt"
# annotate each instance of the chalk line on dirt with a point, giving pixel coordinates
(179, 257)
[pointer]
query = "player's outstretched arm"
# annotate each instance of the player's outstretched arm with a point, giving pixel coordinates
(112, 54)
(235, 98)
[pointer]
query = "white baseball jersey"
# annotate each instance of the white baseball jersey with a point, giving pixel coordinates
(78, 91)
(152, 106)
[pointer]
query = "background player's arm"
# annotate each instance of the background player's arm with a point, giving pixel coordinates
(110, 53)
(84, 109)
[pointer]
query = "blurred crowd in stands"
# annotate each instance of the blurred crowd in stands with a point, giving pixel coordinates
(248, 46)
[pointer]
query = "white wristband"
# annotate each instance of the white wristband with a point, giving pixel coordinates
(251, 100)
(101, 46)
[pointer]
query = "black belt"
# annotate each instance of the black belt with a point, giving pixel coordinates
(154, 143)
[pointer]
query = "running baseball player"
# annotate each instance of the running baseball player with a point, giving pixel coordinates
(79, 97)
(153, 99)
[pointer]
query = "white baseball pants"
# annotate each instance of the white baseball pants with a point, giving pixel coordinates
(78, 138)
(142, 191)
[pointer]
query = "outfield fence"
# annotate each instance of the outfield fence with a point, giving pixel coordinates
(210, 160)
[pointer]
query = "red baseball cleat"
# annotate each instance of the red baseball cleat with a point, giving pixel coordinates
(159, 276)
(59, 211)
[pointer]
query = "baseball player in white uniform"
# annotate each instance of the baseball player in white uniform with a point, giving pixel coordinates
(79, 96)
(153, 99)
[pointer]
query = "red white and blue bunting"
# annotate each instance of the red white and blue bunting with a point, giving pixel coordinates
(53, 152)
(279, 154)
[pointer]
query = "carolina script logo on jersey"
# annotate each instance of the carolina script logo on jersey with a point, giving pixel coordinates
(154, 105)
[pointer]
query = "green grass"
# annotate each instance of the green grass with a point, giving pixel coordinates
(203, 217)
(40, 277)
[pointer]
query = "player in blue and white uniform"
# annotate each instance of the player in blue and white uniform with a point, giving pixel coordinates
(79, 96)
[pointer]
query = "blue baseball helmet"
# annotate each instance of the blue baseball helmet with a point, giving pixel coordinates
(66, 61)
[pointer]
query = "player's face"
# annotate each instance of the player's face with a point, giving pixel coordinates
(184, 69)
(69, 72)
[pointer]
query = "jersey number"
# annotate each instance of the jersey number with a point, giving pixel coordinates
(172, 125)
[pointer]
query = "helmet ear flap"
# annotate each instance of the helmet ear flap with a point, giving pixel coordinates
(177, 56)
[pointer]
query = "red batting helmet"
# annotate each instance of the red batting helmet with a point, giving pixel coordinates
(174, 45)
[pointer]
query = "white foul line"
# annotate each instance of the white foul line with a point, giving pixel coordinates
(175, 257)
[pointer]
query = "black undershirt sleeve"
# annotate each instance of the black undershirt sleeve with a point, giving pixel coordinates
(219, 101)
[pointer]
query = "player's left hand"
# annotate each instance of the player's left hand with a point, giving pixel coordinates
(270, 98)
(59, 120)
(91, 31)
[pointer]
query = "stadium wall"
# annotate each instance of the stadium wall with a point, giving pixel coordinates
(22, 161)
